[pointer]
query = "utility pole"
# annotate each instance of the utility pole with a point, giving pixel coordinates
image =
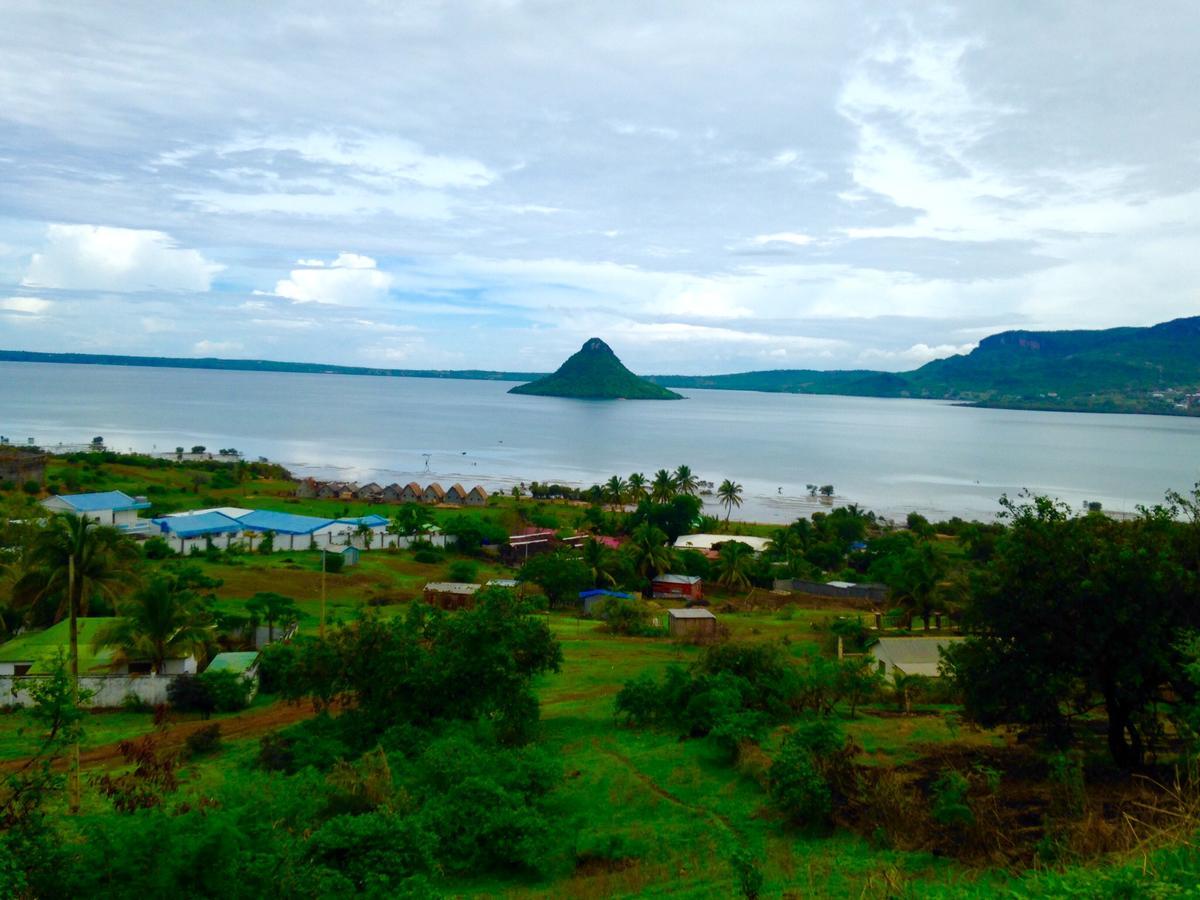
(74, 777)
(322, 628)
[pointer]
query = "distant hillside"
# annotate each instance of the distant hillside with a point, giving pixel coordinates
(255, 365)
(1153, 369)
(595, 373)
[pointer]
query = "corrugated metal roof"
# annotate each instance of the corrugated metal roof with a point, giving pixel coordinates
(677, 579)
(372, 521)
(912, 656)
(452, 587)
(696, 613)
(233, 661)
(283, 523)
(199, 524)
(102, 500)
(708, 541)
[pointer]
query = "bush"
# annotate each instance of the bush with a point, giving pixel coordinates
(949, 804)
(334, 562)
(132, 703)
(797, 788)
(156, 548)
(623, 616)
(203, 741)
(746, 872)
(187, 693)
(428, 556)
(276, 661)
(230, 690)
(462, 570)
(32, 488)
(376, 851)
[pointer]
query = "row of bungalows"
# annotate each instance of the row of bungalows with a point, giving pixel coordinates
(434, 493)
(224, 526)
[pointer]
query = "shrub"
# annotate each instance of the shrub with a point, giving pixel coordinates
(428, 556)
(949, 804)
(462, 570)
(156, 548)
(623, 616)
(376, 851)
(746, 872)
(32, 488)
(187, 693)
(204, 741)
(230, 691)
(797, 788)
(132, 703)
(276, 662)
(334, 562)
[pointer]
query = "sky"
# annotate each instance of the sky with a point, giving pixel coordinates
(709, 187)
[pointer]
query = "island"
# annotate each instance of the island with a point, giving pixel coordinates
(595, 373)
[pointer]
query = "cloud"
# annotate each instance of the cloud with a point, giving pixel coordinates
(914, 356)
(30, 305)
(214, 347)
(784, 237)
(102, 258)
(349, 280)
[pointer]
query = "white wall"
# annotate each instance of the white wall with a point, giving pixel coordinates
(109, 691)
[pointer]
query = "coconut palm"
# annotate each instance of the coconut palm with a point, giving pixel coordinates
(614, 490)
(602, 563)
(161, 621)
(662, 489)
(649, 551)
(733, 565)
(685, 481)
(638, 490)
(730, 495)
(269, 607)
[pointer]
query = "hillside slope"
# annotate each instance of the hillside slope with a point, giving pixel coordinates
(595, 373)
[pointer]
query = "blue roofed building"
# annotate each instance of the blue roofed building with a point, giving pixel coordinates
(115, 508)
(184, 532)
(589, 599)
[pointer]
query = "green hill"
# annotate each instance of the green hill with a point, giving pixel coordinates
(595, 373)
(1151, 369)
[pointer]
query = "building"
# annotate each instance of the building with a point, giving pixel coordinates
(678, 587)
(456, 495)
(865, 596)
(307, 488)
(520, 547)
(330, 490)
(477, 497)
(433, 494)
(189, 531)
(694, 624)
(291, 531)
(391, 493)
(115, 508)
(713, 542)
(35, 653)
(21, 466)
(348, 552)
(911, 655)
(451, 594)
(350, 531)
(509, 584)
(412, 493)
(369, 491)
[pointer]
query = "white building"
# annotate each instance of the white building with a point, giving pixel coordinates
(705, 542)
(115, 508)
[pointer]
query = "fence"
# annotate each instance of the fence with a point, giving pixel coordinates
(870, 594)
(108, 691)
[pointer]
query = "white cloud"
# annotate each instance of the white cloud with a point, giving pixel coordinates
(102, 258)
(784, 237)
(916, 355)
(213, 347)
(349, 280)
(31, 305)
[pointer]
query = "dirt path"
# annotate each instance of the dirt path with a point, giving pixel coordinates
(248, 724)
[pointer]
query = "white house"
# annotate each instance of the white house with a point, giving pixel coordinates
(911, 655)
(115, 508)
(713, 541)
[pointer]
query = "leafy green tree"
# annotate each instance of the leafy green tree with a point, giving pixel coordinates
(161, 621)
(1080, 611)
(271, 608)
(638, 487)
(914, 577)
(603, 564)
(685, 481)
(730, 495)
(410, 519)
(648, 551)
(733, 565)
(663, 488)
(561, 576)
(623, 615)
(615, 489)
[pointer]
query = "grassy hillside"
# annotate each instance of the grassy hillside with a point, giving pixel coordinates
(595, 373)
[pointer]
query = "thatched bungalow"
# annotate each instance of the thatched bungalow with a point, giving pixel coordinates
(477, 497)
(307, 488)
(457, 495)
(434, 494)
(391, 493)
(369, 491)
(412, 493)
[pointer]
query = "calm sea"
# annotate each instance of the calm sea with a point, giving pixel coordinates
(888, 455)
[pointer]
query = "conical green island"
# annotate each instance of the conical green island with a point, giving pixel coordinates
(595, 373)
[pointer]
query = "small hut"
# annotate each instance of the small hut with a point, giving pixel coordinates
(477, 497)
(434, 494)
(392, 493)
(451, 594)
(457, 495)
(695, 624)
(348, 553)
(412, 493)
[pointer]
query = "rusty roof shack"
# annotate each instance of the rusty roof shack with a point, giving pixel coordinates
(696, 624)
(451, 595)
(678, 587)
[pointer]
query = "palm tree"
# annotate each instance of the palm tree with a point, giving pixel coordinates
(637, 487)
(269, 607)
(615, 489)
(685, 481)
(733, 565)
(161, 621)
(648, 548)
(601, 563)
(364, 531)
(662, 489)
(410, 519)
(730, 495)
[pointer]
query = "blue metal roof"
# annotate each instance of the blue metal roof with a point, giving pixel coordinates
(102, 500)
(583, 595)
(282, 523)
(372, 521)
(195, 526)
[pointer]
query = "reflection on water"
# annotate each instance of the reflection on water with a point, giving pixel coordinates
(888, 455)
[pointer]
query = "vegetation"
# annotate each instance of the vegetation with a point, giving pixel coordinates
(595, 373)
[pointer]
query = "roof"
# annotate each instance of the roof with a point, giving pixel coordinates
(234, 661)
(478, 490)
(344, 549)
(234, 512)
(283, 523)
(197, 525)
(416, 487)
(452, 587)
(504, 583)
(372, 521)
(41, 647)
(708, 541)
(103, 500)
(600, 592)
(696, 613)
(677, 579)
(912, 656)
(436, 489)
(458, 489)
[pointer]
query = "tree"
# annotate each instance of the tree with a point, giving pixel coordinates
(662, 489)
(734, 561)
(648, 550)
(561, 576)
(269, 607)
(603, 564)
(365, 534)
(614, 490)
(685, 481)
(914, 576)
(1080, 612)
(638, 487)
(730, 495)
(163, 620)
(410, 519)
